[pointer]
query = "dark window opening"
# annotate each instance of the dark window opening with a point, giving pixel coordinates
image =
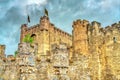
(114, 39)
(33, 35)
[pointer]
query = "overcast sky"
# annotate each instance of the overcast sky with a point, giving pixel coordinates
(62, 13)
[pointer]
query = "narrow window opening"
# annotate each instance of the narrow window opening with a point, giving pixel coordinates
(114, 39)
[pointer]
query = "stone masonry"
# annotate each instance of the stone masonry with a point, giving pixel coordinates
(45, 34)
(90, 53)
(100, 46)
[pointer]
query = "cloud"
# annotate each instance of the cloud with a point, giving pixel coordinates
(108, 4)
(38, 2)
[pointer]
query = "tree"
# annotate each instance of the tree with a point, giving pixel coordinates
(28, 39)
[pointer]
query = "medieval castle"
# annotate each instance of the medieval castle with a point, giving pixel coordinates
(90, 53)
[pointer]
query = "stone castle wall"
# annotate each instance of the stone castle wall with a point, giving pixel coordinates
(45, 34)
(102, 47)
(91, 53)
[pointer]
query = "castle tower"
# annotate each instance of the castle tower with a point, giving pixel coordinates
(80, 38)
(45, 35)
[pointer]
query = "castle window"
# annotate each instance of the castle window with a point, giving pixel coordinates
(114, 39)
(33, 36)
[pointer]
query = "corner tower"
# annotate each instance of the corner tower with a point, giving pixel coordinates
(44, 42)
(80, 37)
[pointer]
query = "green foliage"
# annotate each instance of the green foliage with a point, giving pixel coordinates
(28, 39)
(15, 53)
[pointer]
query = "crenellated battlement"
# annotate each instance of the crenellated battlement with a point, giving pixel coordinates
(33, 29)
(24, 27)
(80, 22)
(41, 26)
(62, 32)
(113, 26)
(95, 23)
(44, 18)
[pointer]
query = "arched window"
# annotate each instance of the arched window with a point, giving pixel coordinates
(33, 36)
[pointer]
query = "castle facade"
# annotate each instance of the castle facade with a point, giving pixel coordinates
(90, 53)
